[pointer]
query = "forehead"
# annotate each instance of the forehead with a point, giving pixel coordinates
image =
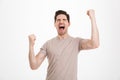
(61, 16)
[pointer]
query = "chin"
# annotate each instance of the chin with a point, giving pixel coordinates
(61, 33)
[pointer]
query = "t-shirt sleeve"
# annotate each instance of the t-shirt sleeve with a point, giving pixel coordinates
(79, 42)
(43, 49)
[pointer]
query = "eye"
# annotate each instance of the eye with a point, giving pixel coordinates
(58, 20)
(64, 19)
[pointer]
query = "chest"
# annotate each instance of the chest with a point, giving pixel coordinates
(62, 48)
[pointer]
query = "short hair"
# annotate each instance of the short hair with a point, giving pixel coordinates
(61, 12)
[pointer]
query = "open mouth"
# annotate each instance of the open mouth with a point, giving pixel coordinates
(62, 27)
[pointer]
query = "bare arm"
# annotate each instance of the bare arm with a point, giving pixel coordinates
(34, 60)
(94, 41)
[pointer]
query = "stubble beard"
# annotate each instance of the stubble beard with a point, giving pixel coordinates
(62, 33)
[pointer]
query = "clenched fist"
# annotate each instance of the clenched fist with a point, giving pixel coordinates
(32, 39)
(91, 13)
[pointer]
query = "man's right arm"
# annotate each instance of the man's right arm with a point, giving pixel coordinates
(34, 60)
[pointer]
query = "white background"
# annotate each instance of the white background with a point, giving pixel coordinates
(19, 18)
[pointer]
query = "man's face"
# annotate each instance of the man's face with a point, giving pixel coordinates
(61, 24)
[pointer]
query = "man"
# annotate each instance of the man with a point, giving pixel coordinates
(62, 50)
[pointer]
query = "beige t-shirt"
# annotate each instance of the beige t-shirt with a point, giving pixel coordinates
(62, 58)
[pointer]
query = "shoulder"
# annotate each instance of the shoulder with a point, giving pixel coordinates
(78, 39)
(50, 40)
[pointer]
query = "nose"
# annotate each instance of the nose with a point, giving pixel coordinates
(61, 21)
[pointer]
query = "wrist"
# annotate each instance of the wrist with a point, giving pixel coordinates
(92, 17)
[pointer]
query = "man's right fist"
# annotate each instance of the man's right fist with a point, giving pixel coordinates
(32, 39)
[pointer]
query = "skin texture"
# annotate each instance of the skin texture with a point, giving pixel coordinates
(61, 21)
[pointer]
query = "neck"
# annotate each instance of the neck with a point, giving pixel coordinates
(63, 36)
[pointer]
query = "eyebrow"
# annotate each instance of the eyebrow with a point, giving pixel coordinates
(60, 19)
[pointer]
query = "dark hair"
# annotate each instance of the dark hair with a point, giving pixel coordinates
(61, 12)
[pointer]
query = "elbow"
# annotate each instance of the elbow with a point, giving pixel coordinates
(96, 45)
(33, 67)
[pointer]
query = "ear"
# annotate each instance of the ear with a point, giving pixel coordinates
(69, 24)
(55, 25)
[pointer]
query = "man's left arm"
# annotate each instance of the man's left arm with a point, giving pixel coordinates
(94, 41)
